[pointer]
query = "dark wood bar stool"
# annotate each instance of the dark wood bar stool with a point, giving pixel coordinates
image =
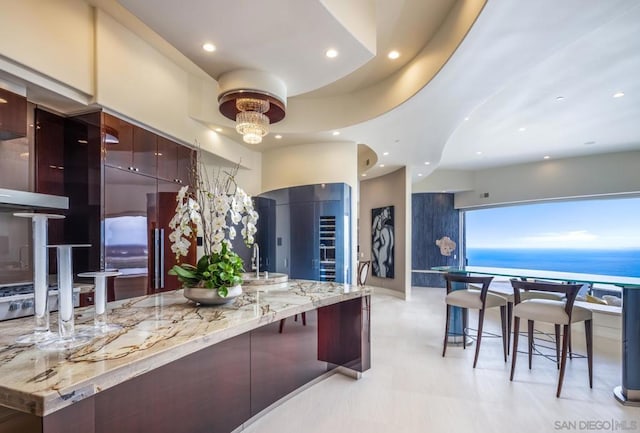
(295, 319)
(559, 312)
(478, 299)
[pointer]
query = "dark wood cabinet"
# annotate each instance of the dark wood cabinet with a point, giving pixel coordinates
(128, 147)
(50, 168)
(145, 151)
(167, 159)
(139, 202)
(165, 205)
(49, 153)
(174, 161)
(117, 139)
(67, 163)
(121, 181)
(13, 115)
(220, 387)
(83, 186)
(129, 217)
(186, 159)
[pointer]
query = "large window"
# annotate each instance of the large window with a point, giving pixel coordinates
(586, 236)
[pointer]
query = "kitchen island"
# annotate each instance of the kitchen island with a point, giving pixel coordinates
(179, 367)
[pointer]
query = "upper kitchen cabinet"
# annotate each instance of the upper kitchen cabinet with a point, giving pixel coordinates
(145, 151)
(128, 147)
(174, 161)
(186, 160)
(13, 115)
(49, 153)
(117, 141)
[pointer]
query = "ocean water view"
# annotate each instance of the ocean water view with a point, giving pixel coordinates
(620, 262)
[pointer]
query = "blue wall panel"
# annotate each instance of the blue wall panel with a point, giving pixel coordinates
(433, 216)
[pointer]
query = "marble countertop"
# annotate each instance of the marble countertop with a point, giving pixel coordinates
(157, 329)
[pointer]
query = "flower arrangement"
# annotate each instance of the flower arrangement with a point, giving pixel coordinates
(212, 208)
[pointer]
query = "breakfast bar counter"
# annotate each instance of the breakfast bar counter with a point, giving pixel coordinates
(177, 366)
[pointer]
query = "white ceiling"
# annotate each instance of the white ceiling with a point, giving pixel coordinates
(507, 74)
(557, 74)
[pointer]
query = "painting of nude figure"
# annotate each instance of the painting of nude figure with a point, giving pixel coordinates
(382, 242)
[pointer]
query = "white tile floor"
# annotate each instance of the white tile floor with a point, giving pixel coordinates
(411, 388)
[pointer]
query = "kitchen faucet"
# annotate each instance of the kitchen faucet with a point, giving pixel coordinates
(255, 262)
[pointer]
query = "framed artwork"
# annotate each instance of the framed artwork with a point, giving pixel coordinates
(382, 242)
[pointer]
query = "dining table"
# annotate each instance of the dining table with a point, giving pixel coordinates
(628, 392)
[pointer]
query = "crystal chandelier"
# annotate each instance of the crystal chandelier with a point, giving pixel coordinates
(254, 100)
(251, 122)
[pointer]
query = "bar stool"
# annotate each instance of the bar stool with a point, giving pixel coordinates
(477, 299)
(363, 272)
(559, 312)
(503, 288)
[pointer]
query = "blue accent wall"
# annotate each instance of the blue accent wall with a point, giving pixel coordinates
(291, 229)
(433, 216)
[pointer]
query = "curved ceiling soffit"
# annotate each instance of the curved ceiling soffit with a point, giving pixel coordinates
(320, 114)
(553, 67)
(367, 158)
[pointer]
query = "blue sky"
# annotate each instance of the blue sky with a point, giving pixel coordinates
(593, 224)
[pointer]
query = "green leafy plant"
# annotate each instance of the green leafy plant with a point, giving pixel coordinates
(215, 271)
(211, 207)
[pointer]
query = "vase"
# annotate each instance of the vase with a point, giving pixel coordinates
(210, 296)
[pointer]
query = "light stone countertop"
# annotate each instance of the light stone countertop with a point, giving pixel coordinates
(157, 329)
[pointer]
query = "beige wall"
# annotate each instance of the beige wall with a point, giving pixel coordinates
(68, 48)
(313, 163)
(393, 189)
(614, 173)
(54, 38)
(248, 180)
(446, 181)
(135, 80)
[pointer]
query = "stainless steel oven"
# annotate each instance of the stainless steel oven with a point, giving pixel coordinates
(16, 300)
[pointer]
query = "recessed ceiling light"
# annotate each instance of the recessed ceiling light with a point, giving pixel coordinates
(547, 157)
(218, 129)
(618, 95)
(589, 143)
(364, 174)
(334, 133)
(559, 98)
(393, 55)
(427, 163)
(209, 47)
(478, 153)
(278, 136)
(522, 129)
(386, 153)
(331, 53)
(419, 174)
(381, 166)
(83, 141)
(466, 118)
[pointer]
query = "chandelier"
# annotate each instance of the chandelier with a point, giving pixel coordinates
(254, 99)
(251, 122)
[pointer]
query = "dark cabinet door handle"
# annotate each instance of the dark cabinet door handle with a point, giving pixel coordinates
(156, 259)
(161, 264)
